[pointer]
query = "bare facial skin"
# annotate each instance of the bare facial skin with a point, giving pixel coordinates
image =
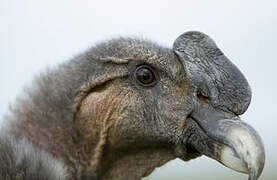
(127, 106)
(238, 145)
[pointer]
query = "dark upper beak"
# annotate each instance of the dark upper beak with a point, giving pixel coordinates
(239, 146)
(219, 134)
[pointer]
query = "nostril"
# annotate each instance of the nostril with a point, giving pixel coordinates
(202, 98)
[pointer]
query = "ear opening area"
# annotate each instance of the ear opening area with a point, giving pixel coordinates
(93, 120)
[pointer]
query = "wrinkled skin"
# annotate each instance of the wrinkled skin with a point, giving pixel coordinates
(199, 84)
(121, 129)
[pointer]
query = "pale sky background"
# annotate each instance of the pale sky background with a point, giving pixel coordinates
(35, 34)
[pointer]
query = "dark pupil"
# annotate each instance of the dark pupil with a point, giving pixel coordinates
(144, 75)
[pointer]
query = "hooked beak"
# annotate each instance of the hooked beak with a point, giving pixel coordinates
(231, 142)
(245, 151)
(214, 129)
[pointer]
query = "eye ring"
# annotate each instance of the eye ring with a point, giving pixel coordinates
(145, 76)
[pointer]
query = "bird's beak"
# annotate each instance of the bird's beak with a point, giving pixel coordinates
(216, 129)
(233, 142)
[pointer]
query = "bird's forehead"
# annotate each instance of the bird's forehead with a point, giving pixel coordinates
(169, 64)
(137, 50)
(160, 58)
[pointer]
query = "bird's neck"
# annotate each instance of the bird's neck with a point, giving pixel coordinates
(107, 162)
(131, 165)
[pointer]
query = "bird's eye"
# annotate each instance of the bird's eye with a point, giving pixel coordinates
(145, 76)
